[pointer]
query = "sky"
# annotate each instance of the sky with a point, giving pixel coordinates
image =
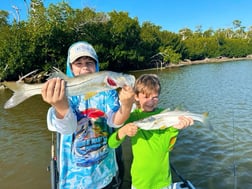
(171, 15)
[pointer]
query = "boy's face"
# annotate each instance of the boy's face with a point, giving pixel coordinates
(83, 65)
(147, 102)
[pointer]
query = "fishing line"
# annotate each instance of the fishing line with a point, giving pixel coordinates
(234, 159)
(186, 184)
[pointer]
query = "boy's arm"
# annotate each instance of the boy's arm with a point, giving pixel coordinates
(126, 97)
(60, 117)
(65, 126)
(53, 92)
(118, 137)
(113, 142)
(129, 129)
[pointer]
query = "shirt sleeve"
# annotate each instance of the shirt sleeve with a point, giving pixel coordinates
(67, 125)
(113, 142)
(110, 122)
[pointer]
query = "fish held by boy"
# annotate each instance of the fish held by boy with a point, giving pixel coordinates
(169, 118)
(87, 85)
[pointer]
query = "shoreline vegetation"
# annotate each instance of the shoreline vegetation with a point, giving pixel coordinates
(195, 62)
(208, 60)
(185, 63)
(122, 46)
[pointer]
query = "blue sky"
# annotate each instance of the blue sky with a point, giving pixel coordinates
(171, 15)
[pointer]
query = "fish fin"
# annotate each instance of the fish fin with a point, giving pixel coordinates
(25, 76)
(89, 95)
(163, 127)
(181, 107)
(19, 95)
(12, 85)
(205, 114)
(206, 121)
(57, 73)
(166, 110)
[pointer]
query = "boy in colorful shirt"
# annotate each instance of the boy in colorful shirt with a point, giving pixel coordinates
(150, 167)
(85, 160)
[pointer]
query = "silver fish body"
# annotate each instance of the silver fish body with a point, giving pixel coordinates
(167, 119)
(87, 85)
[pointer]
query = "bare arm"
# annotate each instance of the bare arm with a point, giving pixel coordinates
(126, 97)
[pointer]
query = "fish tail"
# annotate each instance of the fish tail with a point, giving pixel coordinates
(206, 121)
(20, 94)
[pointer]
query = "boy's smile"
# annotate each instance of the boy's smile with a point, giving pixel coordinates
(147, 103)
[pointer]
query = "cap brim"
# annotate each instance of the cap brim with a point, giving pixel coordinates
(74, 58)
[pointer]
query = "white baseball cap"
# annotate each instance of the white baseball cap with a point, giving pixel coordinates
(80, 49)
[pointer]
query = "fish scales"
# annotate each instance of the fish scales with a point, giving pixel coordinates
(169, 118)
(87, 85)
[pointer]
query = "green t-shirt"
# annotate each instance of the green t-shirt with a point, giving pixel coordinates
(150, 167)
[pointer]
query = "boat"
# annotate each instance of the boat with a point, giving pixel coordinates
(183, 184)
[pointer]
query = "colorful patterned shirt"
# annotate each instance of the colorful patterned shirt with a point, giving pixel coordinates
(85, 160)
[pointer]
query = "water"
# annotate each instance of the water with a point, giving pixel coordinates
(209, 159)
(24, 145)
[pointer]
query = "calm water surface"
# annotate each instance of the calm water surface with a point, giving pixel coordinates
(209, 159)
(24, 144)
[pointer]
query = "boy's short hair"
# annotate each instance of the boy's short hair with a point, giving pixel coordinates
(147, 84)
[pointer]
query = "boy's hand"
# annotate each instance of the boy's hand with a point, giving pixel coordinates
(127, 96)
(53, 92)
(184, 122)
(129, 129)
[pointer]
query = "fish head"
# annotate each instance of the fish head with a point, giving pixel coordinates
(116, 80)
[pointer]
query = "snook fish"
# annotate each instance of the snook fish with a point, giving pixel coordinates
(87, 85)
(169, 118)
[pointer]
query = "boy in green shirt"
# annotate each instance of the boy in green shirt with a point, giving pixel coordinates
(150, 168)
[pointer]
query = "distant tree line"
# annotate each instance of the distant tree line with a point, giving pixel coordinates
(122, 44)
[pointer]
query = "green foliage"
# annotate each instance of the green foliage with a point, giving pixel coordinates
(169, 55)
(122, 44)
(201, 48)
(125, 37)
(235, 48)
